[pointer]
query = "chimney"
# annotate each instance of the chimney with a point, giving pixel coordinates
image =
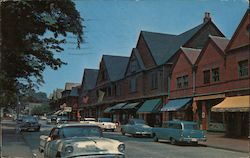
(206, 17)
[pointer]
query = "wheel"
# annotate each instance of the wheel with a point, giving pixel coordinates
(123, 133)
(172, 141)
(155, 138)
(58, 154)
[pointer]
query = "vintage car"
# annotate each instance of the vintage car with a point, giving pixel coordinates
(136, 127)
(79, 140)
(26, 123)
(179, 131)
(88, 120)
(106, 124)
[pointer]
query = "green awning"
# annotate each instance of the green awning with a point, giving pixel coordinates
(118, 106)
(177, 104)
(115, 107)
(108, 110)
(130, 106)
(150, 106)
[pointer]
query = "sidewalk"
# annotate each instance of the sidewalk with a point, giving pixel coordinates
(14, 145)
(217, 140)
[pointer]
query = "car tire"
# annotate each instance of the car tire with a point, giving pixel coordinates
(58, 154)
(172, 141)
(155, 138)
(123, 133)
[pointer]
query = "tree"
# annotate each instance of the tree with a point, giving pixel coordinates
(31, 33)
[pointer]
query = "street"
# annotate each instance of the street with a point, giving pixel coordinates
(144, 147)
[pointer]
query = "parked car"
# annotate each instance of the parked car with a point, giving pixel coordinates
(51, 119)
(106, 124)
(179, 131)
(62, 119)
(27, 123)
(88, 120)
(136, 127)
(79, 140)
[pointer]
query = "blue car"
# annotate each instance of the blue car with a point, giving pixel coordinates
(179, 131)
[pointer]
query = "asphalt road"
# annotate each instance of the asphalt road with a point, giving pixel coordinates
(145, 147)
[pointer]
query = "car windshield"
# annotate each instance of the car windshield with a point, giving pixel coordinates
(29, 119)
(104, 120)
(78, 131)
(191, 126)
(139, 121)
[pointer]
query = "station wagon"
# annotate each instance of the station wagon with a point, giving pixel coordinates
(179, 131)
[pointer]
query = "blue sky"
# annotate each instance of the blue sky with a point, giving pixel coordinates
(113, 27)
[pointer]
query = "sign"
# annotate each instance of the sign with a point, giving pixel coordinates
(67, 109)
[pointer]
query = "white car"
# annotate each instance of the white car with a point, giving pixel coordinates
(106, 124)
(79, 140)
(88, 120)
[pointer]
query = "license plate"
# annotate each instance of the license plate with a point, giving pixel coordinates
(194, 140)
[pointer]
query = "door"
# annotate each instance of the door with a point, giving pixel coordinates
(51, 146)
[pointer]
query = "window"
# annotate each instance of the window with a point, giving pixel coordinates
(243, 68)
(154, 81)
(179, 82)
(185, 81)
(206, 75)
(133, 85)
(215, 75)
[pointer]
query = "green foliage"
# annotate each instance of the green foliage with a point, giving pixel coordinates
(32, 31)
(41, 110)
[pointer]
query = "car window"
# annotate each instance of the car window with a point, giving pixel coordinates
(139, 121)
(175, 125)
(104, 120)
(78, 131)
(191, 126)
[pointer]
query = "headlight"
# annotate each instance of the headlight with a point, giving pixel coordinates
(121, 148)
(68, 149)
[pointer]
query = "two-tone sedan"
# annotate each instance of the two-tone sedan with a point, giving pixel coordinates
(136, 127)
(79, 140)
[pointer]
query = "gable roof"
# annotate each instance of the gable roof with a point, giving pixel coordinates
(191, 54)
(164, 46)
(69, 86)
(221, 42)
(89, 78)
(138, 57)
(115, 66)
(246, 16)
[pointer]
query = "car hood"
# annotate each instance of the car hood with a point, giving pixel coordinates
(91, 145)
(143, 126)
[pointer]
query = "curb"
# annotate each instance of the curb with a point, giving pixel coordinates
(224, 148)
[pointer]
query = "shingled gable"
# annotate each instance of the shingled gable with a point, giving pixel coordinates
(135, 54)
(190, 54)
(163, 46)
(241, 34)
(115, 66)
(89, 79)
(219, 42)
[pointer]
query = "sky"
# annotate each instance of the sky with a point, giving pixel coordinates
(112, 27)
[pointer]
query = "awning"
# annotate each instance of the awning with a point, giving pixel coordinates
(118, 106)
(177, 104)
(130, 105)
(233, 104)
(108, 110)
(150, 106)
(115, 107)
